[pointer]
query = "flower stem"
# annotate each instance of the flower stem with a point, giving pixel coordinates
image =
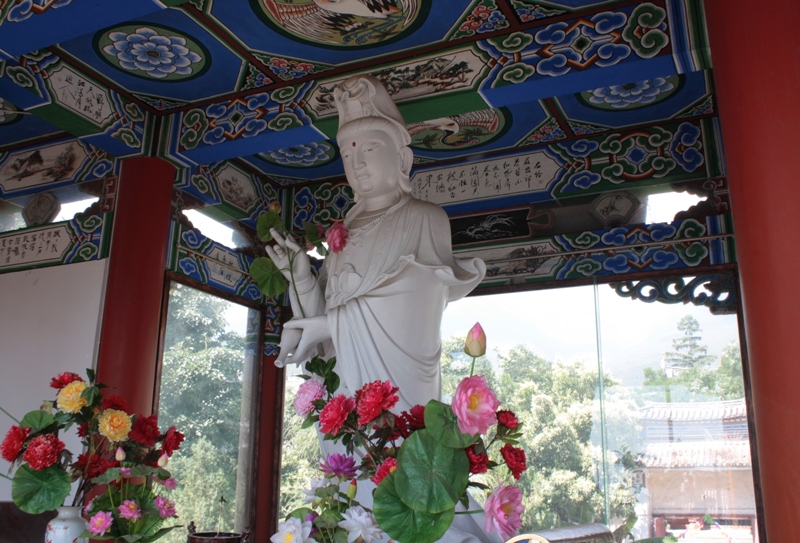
(10, 415)
(292, 256)
(473, 512)
(6, 477)
(472, 367)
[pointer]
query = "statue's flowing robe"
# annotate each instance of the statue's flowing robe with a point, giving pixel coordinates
(385, 295)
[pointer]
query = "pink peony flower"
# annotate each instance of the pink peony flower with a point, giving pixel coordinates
(171, 483)
(474, 405)
(333, 415)
(336, 236)
(475, 345)
(503, 509)
(130, 510)
(310, 391)
(100, 522)
(165, 507)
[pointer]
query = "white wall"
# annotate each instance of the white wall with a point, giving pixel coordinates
(49, 323)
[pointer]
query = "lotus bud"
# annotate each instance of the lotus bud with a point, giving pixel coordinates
(352, 488)
(120, 456)
(163, 460)
(275, 206)
(475, 345)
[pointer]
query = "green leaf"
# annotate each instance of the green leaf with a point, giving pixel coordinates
(327, 520)
(38, 420)
(112, 474)
(441, 421)
(90, 374)
(162, 532)
(267, 221)
(340, 536)
(267, 276)
(430, 477)
(403, 523)
(38, 491)
(300, 513)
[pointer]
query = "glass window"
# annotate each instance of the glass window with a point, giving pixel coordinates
(630, 408)
(207, 391)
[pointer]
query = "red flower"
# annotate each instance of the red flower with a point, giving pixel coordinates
(115, 402)
(12, 444)
(373, 399)
(515, 459)
(172, 440)
(415, 420)
(83, 429)
(63, 379)
(507, 419)
(386, 468)
(333, 415)
(43, 451)
(145, 430)
(95, 467)
(478, 462)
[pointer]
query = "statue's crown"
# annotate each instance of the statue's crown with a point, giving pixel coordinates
(363, 96)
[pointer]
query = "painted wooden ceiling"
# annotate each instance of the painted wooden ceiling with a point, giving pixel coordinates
(537, 106)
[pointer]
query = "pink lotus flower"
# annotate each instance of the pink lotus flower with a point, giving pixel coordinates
(475, 345)
(336, 236)
(100, 522)
(474, 405)
(130, 510)
(171, 483)
(503, 509)
(310, 391)
(165, 507)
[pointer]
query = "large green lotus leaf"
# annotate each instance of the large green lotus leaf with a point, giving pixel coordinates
(38, 491)
(442, 422)
(267, 221)
(430, 477)
(38, 420)
(267, 276)
(403, 523)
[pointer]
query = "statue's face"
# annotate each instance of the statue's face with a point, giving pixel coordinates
(371, 163)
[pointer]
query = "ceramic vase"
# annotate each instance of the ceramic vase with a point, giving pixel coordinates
(66, 527)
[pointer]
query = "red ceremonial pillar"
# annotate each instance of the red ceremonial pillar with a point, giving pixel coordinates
(755, 48)
(130, 329)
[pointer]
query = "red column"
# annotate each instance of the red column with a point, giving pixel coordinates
(755, 48)
(130, 329)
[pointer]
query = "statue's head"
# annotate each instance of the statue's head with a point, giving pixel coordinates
(372, 138)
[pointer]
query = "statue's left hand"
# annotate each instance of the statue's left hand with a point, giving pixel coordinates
(300, 337)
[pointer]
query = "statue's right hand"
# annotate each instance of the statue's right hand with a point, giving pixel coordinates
(300, 337)
(281, 254)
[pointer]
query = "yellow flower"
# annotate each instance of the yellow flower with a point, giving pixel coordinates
(115, 425)
(69, 398)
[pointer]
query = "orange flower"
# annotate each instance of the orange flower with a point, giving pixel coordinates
(115, 425)
(69, 398)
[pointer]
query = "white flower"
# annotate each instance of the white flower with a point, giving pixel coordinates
(292, 531)
(311, 493)
(359, 523)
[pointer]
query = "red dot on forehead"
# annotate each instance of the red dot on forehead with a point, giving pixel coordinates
(354, 144)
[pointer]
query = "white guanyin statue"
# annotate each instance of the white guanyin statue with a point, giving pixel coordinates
(377, 304)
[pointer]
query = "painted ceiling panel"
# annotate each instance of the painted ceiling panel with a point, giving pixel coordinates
(598, 96)
(33, 24)
(167, 55)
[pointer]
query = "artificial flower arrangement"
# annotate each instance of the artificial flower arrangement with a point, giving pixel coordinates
(125, 452)
(420, 460)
